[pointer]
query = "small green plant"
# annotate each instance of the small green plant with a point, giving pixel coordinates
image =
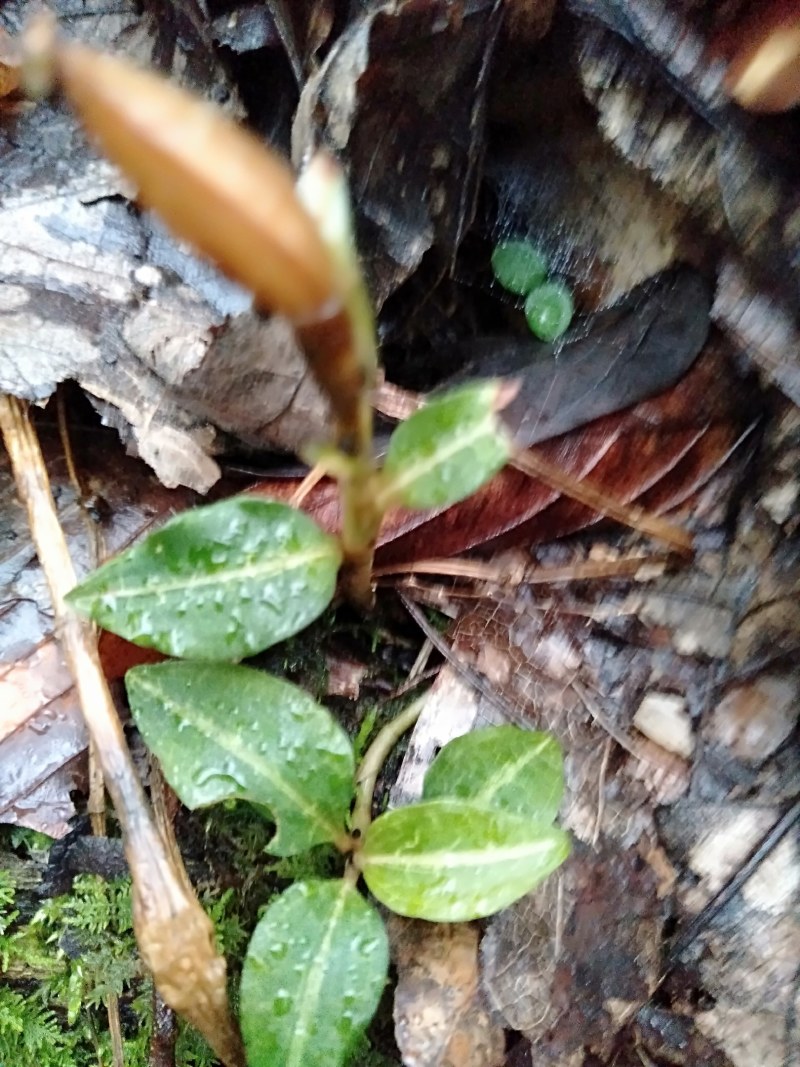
(221, 583)
(522, 269)
(226, 581)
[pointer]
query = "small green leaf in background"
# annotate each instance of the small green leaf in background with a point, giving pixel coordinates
(450, 861)
(518, 266)
(313, 976)
(503, 767)
(447, 449)
(227, 732)
(217, 583)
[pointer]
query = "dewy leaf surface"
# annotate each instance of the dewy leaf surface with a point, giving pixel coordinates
(223, 732)
(449, 861)
(447, 449)
(501, 767)
(314, 973)
(220, 582)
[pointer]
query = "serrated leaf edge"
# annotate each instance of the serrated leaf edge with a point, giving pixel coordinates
(213, 732)
(311, 986)
(266, 569)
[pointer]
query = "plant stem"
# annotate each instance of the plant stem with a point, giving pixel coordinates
(348, 355)
(374, 759)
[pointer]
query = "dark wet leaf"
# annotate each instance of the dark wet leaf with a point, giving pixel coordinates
(218, 583)
(410, 126)
(313, 975)
(619, 356)
(503, 768)
(225, 732)
(450, 860)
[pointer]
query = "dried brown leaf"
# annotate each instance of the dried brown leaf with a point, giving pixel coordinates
(410, 127)
(213, 183)
(681, 439)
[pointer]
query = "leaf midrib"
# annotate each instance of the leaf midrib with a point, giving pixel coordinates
(508, 774)
(468, 858)
(409, 474)
(267, 568)
(212, 732)
(311, 986)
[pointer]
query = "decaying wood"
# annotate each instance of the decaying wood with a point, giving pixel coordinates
(441, 1018)
(650, 71)
(582, 661)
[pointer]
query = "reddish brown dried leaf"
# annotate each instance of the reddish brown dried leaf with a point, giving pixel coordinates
(656, 454)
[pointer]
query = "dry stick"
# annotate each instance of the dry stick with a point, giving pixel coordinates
(503, 574)
(314, 476)
(97, 786)
(176, 938)
(629, 514)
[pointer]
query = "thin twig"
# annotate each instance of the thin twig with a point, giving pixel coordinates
(314, 477)
(767, 844)
(532, 464)
(464, 670)
(501, 574)
(96, 806)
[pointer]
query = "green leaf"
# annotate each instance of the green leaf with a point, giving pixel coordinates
(447, 449)
(313, 975)
(502, 767)
(217, 583)
(518, 266)
(449, 861)
(226, 732)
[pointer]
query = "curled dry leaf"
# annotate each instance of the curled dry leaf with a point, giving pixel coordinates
(416, 175)
(212, 182)
(440, 1016)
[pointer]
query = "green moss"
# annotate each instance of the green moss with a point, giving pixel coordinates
(57, 969)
